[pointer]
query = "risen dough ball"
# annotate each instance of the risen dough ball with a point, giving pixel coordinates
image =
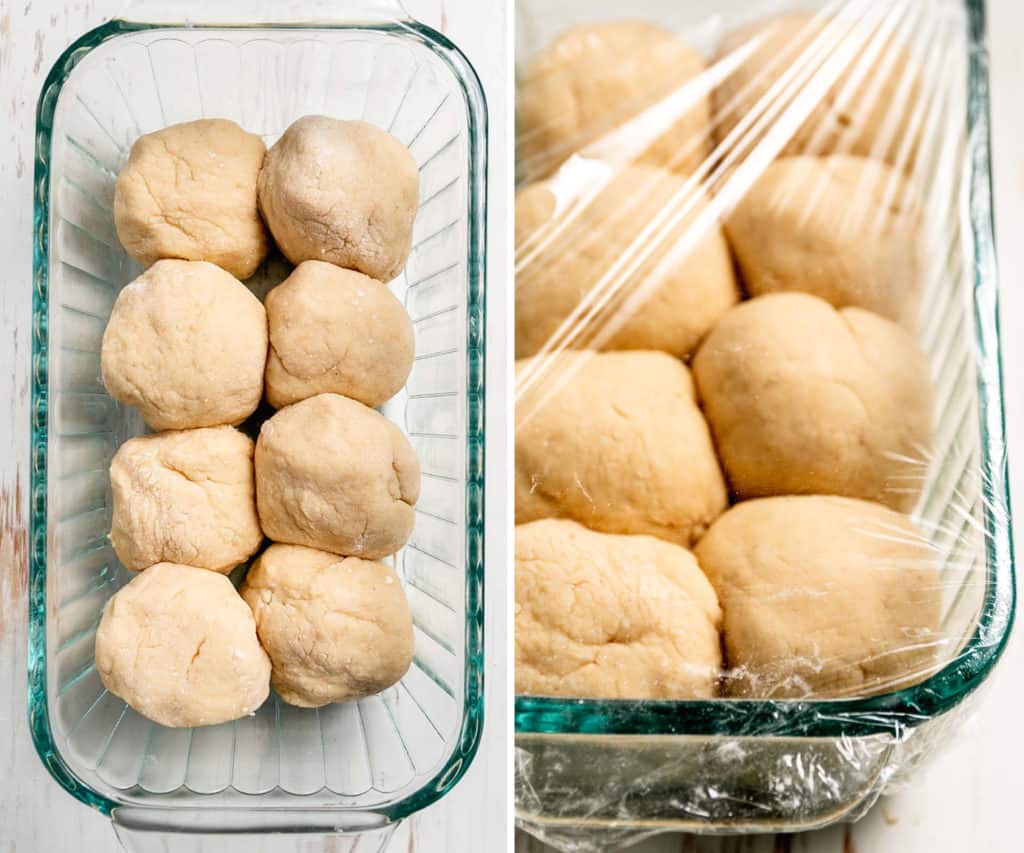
(593, 79)
(616, 442)
(335, 628)
(189, 191)
(344, 192)
(186, 344)
(804, 399)
(336, 330)
(684, 282)
(621, 617)
(874, 109)
(180, 647)
(185, 497)
(335, 475)
(536, 205)
(842, 228)
(823, 597)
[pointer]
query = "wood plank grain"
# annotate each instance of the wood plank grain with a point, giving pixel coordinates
(13, 548)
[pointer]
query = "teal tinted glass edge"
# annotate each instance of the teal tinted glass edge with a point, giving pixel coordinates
(891, 713)
(476, 109)
(38, 711)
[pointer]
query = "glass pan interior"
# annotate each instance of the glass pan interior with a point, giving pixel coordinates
(374, 754)
(963, 506)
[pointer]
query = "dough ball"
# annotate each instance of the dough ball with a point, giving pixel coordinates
(189, 191)
(842, 228)
(336, 475)
(186, 344)
(823, 597)
(596, 78)
(804, 399)
(336, 330)
(344, 192)
(336, 628)
(185, 497)
(683, 284)
(180, 647)
(619, 617)
(874, 109)
(616, 442)
(536, 205)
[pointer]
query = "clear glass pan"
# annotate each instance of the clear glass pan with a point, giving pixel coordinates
(737, 766)
(345, 767)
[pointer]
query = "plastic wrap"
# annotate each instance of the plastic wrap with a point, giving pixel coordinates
(763, 550)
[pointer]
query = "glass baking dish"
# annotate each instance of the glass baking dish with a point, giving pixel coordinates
(592, 772)
(343, 768)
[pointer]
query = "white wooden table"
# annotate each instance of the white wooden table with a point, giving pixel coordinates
(36, 815)
(969, 798)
